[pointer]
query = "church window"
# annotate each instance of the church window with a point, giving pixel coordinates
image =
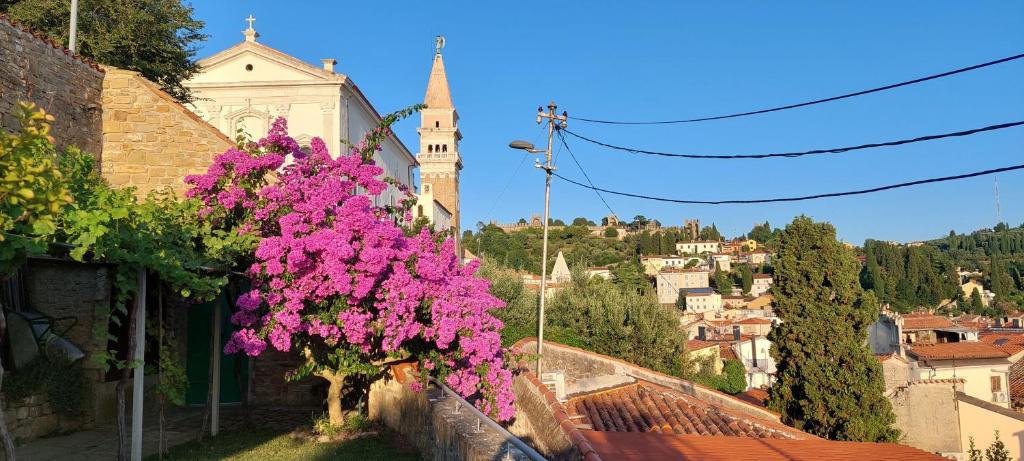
(248, 67)
(437, 124)
(430, 148)
(444, 148)
(437, 148)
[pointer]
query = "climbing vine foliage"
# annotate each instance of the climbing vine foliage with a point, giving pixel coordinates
(335, 275)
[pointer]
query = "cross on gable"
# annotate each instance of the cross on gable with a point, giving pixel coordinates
(250, 20)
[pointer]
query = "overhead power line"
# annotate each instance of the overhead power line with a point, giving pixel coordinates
(834, 150)
(800, 198)
(807, 103)
(561, 137)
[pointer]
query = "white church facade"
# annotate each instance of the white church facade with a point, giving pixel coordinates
(247, 86)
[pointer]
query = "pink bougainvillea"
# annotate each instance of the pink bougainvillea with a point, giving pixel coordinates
(333, 270)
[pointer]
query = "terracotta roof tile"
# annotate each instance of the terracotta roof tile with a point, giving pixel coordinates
(1009, 342)
(755, 321)
(755, 396)
(961, 350)
(924, 321)
(646, 407)
(696, 344)
(633, 446)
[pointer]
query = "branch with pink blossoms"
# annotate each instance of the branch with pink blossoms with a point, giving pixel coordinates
(334, 276)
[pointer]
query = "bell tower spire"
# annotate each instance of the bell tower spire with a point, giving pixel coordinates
(439, 156)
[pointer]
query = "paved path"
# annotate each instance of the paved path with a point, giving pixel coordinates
(181, 425)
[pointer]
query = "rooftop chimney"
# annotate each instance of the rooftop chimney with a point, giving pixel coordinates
(702, 333)
(329, 64)
(736, 333)
(753, 351)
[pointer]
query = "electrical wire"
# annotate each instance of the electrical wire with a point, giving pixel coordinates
(800, 198)
(497, 199)
(561, 137)
(808, 103)
(833, 150)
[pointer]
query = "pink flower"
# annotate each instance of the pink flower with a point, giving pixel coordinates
(332, 268)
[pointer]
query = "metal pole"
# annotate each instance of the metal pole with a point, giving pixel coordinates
(139, 366)
(544, 245)
(73, 38)
(215, 391)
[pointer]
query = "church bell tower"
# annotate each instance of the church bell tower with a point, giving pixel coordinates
(440, 162)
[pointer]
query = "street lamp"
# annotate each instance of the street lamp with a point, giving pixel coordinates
(553, 121)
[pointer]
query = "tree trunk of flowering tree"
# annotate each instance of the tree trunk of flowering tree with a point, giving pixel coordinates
(4, 434)
(337, 383)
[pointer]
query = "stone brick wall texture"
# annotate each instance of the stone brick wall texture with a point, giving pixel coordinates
(429, 421)
(34, 69)
(927, 416)
(149, 140)
(62, 289)
(269, 386)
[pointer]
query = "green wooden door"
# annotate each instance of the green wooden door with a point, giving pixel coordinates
(234, 368)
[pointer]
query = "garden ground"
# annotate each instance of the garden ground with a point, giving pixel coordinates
(267, 438)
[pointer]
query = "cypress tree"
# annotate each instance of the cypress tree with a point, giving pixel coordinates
(827, 382)
(746, 278)
(977, 306)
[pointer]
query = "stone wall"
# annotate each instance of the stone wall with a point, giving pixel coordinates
(927, 416)
(32, 418)
(585, 371)
(429, 420)
(32, 68)
(269, 386)
(82, 287)
(149, 140)
(535, 421)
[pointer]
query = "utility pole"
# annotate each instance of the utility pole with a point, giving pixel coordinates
(560, 121)
(555, 122)
(73, 34)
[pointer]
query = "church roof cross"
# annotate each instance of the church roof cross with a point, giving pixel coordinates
(250, 33)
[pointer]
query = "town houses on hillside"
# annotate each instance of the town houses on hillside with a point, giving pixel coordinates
(966, 372)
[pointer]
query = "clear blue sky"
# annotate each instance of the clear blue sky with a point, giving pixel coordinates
(669, 60)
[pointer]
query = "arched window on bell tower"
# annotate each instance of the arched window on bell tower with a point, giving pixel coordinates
(444, 148)
(430, 148)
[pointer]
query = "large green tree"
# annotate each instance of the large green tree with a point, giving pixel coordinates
(827, 382)
(157, 38)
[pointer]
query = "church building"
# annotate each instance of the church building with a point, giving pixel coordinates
(439, 158)
(247, 86)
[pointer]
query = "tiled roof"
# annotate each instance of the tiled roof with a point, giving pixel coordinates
(632, 446)
(755, 321)
(925, 322)
(1009, 342)
(755, 396)
(1016, 379)
(696, 344)
(762, 276)
(961, 350)
(646, 407)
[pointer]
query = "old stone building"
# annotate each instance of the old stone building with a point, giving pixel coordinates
(149, 140)
(36, 69)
